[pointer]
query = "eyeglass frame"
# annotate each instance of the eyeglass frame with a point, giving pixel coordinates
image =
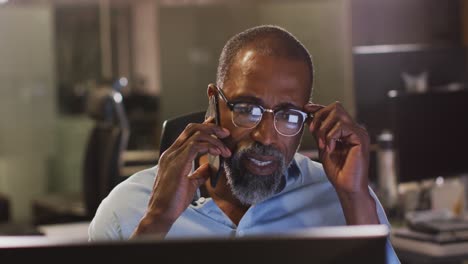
(231, 105)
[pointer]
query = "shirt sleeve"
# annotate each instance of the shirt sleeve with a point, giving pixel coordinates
(104, 225)
(120, 212)
(392, 258)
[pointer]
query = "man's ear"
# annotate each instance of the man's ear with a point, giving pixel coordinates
(211, 91)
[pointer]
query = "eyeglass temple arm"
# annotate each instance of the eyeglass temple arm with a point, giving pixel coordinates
(221, 94)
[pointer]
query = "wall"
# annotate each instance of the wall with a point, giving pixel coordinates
(27, 104)
(401, 21)
(145, 45)
(66, 166)
(191, 41)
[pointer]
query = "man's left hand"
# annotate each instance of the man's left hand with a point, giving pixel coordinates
(344, 152)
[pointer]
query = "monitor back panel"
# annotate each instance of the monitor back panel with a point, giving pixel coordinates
(252, 250)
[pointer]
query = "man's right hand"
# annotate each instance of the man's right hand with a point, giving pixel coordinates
(175, 185)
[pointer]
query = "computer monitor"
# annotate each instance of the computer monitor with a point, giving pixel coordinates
(344, 244)
(431, 131)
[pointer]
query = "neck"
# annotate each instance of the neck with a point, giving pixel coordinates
(224, 198)
(226, 201)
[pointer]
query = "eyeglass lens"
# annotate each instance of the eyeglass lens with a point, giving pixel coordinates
(287, 122)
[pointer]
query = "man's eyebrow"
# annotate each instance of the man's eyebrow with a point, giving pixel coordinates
(256, 100)
(247, 98)
(287, 105)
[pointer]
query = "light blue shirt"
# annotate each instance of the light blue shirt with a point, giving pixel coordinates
(307, 200)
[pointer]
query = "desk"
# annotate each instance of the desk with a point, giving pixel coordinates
(411, 251)
(77, 231)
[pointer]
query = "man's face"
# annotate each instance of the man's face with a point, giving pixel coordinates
(260, 154)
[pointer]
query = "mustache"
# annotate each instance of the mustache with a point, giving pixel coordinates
(260, 149)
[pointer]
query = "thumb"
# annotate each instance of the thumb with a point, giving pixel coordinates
(200, 175)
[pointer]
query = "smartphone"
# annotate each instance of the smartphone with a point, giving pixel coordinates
(215, 161)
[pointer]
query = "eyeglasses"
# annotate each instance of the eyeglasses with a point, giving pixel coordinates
(288, 122)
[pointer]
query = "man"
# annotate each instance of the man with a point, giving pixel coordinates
(264, 83)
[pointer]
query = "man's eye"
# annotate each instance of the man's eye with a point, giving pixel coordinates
(243, 109)
(247, 109)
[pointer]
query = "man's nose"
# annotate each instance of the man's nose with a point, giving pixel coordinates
(265, 131)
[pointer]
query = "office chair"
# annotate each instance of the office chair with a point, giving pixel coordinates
(172, 128)
(102, 163)
(4, 209)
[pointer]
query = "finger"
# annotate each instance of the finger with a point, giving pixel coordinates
(312, 108)
(335, 108)
(319, 116)
(325, 126)
(333, 136)
(206, 127)
(201, 137)
(342, 113)
(184, 157)
(316, 123)
(209, 119)
(358, 136)
(200, 175)
(345, 134)
(195, 149)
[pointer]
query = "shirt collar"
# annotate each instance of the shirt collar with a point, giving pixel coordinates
(293, 176)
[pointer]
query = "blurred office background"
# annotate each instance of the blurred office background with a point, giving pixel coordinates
(161, 55)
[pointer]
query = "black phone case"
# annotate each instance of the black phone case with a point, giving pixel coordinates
(215, 177)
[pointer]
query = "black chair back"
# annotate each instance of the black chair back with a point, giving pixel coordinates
(103, 162)
(106, 144)
(172, 128)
